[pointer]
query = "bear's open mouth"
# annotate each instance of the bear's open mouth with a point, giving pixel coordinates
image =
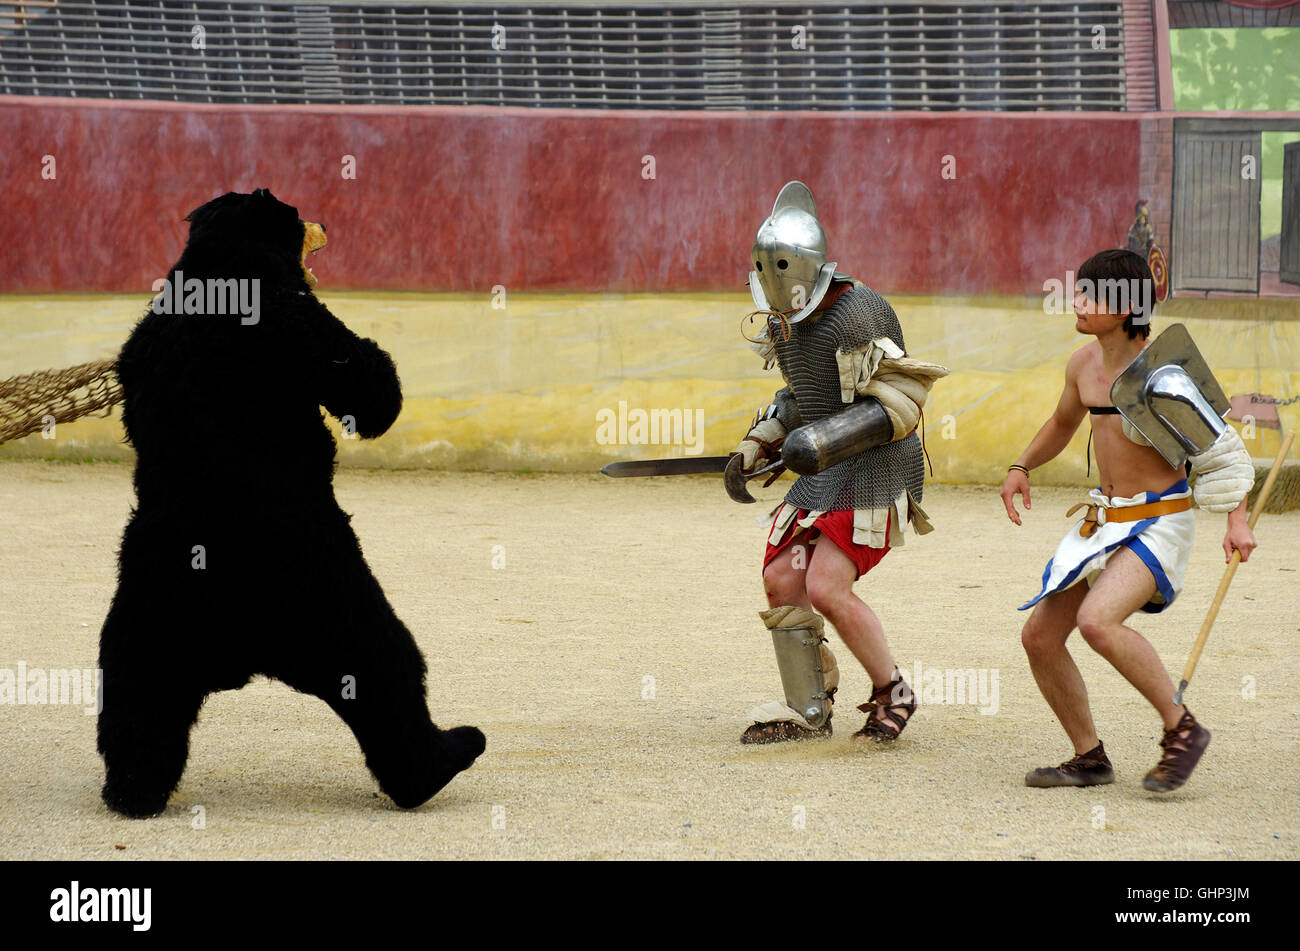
(313, 239)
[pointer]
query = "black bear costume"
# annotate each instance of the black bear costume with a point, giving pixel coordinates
(237, 560)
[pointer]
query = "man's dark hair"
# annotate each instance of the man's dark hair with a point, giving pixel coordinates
(1123, 265)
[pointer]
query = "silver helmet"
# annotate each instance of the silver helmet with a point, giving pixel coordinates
(791, 273)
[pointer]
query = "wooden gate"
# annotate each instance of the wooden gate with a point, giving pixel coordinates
(1216, 211)
(1289, 270)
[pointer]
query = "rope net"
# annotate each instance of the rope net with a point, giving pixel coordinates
(30, 402)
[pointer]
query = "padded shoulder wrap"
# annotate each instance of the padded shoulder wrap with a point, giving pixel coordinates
(1224, 474)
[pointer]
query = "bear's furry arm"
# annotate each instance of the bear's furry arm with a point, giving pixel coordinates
(357, 377)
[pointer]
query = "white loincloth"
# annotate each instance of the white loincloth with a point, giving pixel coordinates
(1164, 544)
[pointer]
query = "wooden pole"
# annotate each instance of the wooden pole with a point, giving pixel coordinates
(1233, 562)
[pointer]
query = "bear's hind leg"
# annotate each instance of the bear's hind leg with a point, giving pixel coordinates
(415, 762)
(145, 746)
(384, 706)
(350, 649)
(144, 729)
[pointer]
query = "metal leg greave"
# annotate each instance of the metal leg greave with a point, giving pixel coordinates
(809, 673)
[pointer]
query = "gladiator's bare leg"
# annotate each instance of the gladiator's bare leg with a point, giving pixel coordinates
(1124, 586)
(1044, 636)
(831, 575)
(783, 581)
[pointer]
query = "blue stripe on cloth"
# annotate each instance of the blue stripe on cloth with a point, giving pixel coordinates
(1047, 573)
(1177, 487)
(1137, 529)
(1157, 570)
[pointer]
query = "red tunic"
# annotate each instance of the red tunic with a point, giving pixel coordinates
(838, 528)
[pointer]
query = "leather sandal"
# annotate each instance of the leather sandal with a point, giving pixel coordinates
(888, 711)
(1183, 747)
(1086, 769)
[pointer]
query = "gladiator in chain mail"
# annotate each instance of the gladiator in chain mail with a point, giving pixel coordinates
(806, 353)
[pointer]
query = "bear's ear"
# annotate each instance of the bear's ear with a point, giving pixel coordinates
(208, 208)
(273, 205)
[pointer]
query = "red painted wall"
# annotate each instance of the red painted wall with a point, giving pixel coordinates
(464, 198)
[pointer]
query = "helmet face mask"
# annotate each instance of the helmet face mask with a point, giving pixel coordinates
(790, 271)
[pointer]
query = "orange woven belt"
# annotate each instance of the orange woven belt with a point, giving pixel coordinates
(1099, 514)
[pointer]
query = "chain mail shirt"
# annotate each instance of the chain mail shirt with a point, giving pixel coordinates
(874, 478)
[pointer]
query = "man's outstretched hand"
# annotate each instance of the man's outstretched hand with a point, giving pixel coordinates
(1016, 483)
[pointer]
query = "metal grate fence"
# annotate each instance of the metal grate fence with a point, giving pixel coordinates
(907, 55)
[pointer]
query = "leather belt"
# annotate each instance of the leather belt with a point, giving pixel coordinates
(1098, 515)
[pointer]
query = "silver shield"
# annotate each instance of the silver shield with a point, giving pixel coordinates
(1170, 396)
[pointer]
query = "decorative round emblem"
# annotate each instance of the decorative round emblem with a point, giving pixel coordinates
(1160, 271)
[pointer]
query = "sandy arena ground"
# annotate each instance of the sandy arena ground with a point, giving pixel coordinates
(613, 672)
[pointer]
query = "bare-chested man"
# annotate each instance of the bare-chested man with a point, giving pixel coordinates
(1134, 555)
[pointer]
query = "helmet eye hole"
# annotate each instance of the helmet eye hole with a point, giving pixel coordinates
(783, 264)
(758, 265)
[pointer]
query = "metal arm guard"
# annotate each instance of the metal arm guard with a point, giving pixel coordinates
(818, 446)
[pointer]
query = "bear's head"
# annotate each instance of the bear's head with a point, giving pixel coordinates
(255, 235)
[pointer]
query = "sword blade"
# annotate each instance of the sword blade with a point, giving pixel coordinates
(685, 465)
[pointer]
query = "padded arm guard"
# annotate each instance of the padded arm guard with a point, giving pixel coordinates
(859, 365)
(902, 386)
(1224, 474)
(880, 369)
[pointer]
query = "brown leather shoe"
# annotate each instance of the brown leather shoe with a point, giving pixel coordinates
(1183, 747)
(1086, 769)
